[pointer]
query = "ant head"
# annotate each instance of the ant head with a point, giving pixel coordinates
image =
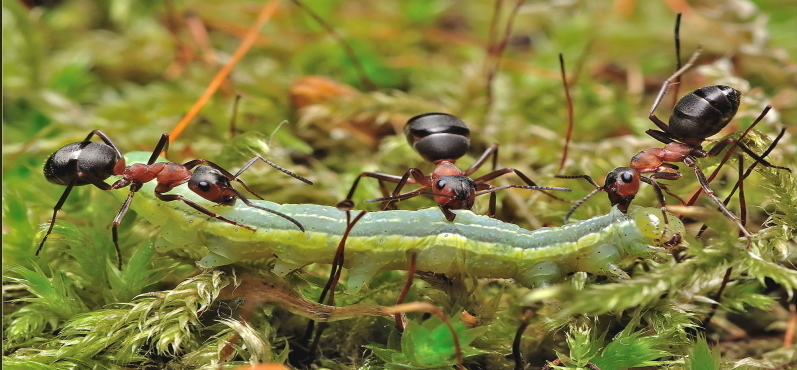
(437, 136)
(211, 184)
(454, 192)
(622, 185)
(75, 160)
(704, 112)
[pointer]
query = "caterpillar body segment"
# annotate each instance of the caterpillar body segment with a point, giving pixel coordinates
(472, 244)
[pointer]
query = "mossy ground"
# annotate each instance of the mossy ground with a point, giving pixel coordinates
(133, 69)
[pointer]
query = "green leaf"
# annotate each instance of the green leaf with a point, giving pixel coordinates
(702, 357)
(633, 349)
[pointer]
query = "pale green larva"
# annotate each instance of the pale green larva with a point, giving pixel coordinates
(471, 244)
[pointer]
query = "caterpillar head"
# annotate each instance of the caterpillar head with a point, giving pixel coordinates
(652, 225)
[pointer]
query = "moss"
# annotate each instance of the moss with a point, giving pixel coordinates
(122, 67)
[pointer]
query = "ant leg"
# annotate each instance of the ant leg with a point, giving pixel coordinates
(652, 116)
(721, 145)
(106, 139)
(491, 151)
(743, 216)
(417, 178)
(660, 136)
(739, 184)
(491, 205)
(717, 148)
(92, 179)
(118, 220)
(742, 201)
(57, 208)
(737, 142)
(710, 193)
(401, 321)
(173, 197)
(763, 155)
(163, 145)
(348, 204)
(657, 189)
(399, 197)
(385, 193)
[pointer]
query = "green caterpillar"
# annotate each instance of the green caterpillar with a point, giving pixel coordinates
(472, 244)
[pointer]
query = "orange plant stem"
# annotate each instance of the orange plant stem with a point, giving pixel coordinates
(251, 36)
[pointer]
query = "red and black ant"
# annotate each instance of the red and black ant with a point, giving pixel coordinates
(697, 116)
(621, 184)
(441, 138)
(87, 162)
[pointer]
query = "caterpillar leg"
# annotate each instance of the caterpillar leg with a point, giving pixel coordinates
(213, 260)
(542, 275)
(603, 260)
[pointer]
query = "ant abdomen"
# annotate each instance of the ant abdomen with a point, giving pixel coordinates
(437, 136)
(75, 161)
(704, 112)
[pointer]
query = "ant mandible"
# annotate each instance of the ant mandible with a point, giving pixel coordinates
(441, 139)
(87, 162)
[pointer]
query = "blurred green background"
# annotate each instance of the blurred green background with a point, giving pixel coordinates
(133, 68)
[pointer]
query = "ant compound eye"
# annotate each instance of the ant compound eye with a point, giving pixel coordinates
(203, 185)
(441, 184)
(626, 177)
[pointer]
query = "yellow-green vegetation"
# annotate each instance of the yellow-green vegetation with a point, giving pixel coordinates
(133, 68)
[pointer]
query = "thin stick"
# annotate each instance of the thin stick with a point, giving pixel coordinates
(495, 52)
(258, 291)
(367, 83)
(677, 36)
(570, 123)
(266, 13)
(520, 364)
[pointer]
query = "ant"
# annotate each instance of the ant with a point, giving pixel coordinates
(87, 162)
(695, 117)
(441, 139)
